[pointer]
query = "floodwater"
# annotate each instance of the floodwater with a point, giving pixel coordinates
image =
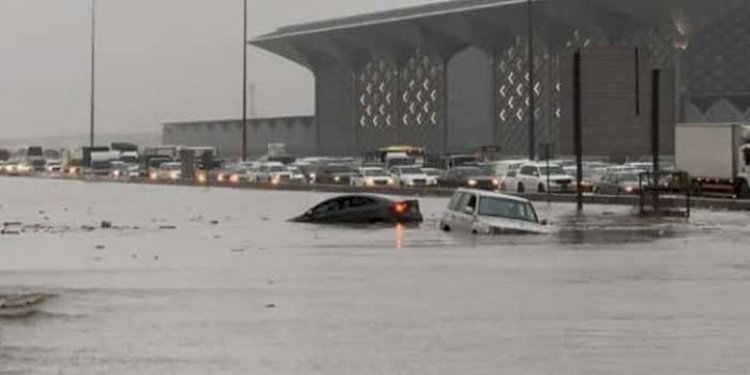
(214, 281)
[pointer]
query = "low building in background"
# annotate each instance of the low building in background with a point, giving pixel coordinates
(297, 133)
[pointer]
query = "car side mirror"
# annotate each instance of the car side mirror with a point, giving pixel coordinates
(544, 222)
(469, 211)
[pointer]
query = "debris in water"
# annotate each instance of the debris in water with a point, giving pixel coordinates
(214, 222)
(100, 247)
(167, 227)
(106, 225)
(271, 306)
(238, 250)
(88, 228)
(20, 305)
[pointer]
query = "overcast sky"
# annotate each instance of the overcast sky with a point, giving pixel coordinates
(158, 60)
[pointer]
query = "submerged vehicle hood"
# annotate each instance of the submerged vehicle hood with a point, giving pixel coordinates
(497, 224)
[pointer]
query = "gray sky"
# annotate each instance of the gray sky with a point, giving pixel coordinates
(158, 60)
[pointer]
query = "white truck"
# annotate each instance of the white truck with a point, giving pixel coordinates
(716, 156)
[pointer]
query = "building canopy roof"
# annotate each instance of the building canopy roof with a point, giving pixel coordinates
(445, 28)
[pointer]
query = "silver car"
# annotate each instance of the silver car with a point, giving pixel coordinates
(487, 213)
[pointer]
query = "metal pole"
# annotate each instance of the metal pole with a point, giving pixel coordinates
(577, 131)
(547, 156)
(532, 99)
(655, 91)
(244, 81)
(92, 92)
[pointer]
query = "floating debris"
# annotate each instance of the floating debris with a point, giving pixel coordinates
(20, 305)
(168, 227)
(106, 225)
(271, 306)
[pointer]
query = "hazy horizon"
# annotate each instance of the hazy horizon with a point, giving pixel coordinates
(157, 61)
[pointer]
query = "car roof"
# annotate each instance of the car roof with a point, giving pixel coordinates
(489, 194)
(541, 165)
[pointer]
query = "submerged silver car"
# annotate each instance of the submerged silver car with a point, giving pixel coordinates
(486, 213)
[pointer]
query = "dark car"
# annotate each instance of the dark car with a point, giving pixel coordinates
(619, 184)
(338, 174)
(469, 177)
(362, 209)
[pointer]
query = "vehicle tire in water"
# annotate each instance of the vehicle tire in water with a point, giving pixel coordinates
(541, 188)
(445, 228)
(521, 188)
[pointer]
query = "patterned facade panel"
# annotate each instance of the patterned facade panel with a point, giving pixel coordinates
(513, 102)
(422, 93)
(400, 103)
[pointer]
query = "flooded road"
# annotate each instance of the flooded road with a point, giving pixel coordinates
(213, 281)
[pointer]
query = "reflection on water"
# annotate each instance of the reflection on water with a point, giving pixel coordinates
(301, 299)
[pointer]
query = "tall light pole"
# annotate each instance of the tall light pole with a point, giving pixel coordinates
(532, 99)
(92, 93)
(244, 80)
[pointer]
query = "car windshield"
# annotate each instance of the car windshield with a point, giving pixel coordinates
(432, 172)
(469, 172)
(411, 170)
(375, 173)
(552, 170)
(628, 177)
(507, 208)
(276, 168)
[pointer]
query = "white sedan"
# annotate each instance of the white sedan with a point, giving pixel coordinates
(412, 176)
(371, 176)
(485, 213)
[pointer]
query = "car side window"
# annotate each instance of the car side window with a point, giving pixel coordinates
(455, 201)
(361, 202)
(464, 202)
(328, 207)
(527, 171)
(472, 204)
(511, 174)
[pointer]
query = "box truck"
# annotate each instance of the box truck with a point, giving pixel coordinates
(716, 156)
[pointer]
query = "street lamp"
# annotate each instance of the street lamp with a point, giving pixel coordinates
(92, 93)
(244, 81)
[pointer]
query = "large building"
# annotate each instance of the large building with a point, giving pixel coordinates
(455, 76)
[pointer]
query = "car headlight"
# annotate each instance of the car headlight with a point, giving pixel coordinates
(337, 179)
(629, 189)
(390, 181)
(235, 178)
(153, 176)
(174, 175)
(473, 182)
(275, 180)
(202, 178)
(495, 182)
(220, 177)
(370, 181)
(116, 173)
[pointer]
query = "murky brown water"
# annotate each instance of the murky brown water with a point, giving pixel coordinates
(253, 294)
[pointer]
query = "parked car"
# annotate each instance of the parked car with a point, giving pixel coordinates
(486, 213)
(167, 171)
(509, 182)
(338, 174)
(371, 176)
(121, 169)
(54, 166)
(270, 173)
(502, 167)
(433, 172)
(470, 177)
(537, 177)
(297, 176)
(362, 209)
(618, 184)
(411, 176)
